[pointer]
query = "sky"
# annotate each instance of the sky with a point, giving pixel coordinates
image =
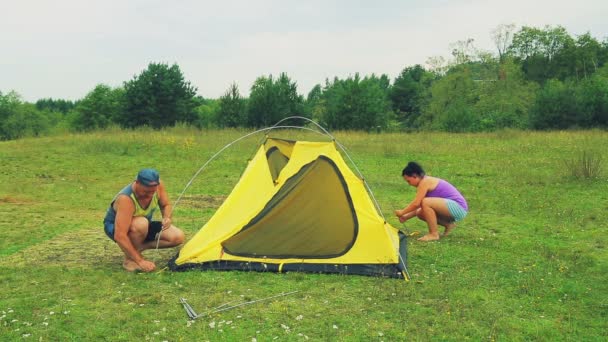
(62, 49)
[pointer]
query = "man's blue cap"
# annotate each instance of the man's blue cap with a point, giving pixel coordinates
(148, 177)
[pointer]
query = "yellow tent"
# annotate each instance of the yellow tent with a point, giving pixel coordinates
(297, 207)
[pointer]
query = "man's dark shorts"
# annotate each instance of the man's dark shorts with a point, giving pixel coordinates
(153, 228)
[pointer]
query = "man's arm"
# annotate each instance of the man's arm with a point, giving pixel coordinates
(165, 205)
(124, 215)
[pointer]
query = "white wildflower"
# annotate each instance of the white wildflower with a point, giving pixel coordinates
(26, 335)
(51, 313)
(229, 322)
(212, 325)
(380, 333)
(253, 339)
(45, 323)
(284, 327)
(156, 333)
(335, 326)
(299, 318)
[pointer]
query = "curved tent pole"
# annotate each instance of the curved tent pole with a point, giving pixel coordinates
(224, 148)
(305, 119)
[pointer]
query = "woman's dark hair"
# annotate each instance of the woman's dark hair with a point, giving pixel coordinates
(413, 169)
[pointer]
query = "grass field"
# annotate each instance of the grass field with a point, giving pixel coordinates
(530, 261)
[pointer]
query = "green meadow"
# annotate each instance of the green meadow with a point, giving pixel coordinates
(530, 262)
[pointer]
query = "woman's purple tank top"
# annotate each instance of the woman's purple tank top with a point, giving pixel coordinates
(448, 191)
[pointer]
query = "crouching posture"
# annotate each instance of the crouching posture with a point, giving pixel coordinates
(437, 202)
(128, 220)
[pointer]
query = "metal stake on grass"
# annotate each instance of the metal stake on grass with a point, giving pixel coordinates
(224, 307)
(189, 310)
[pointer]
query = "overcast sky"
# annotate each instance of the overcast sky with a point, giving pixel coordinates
(63, 48)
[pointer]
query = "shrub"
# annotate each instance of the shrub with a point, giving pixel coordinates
(587, 165)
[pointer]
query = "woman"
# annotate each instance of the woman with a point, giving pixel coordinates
(436, 202)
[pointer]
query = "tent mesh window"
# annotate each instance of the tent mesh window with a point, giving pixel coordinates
(311, 216)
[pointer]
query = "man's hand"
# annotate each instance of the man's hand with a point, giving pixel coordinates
(166, 222)
(146, 266)
(399, 213)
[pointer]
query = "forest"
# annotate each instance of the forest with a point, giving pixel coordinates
(536, 79)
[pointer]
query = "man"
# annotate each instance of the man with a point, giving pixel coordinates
(129, 223)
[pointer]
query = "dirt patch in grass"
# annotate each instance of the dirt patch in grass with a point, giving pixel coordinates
(87, 248)
(201, 201)
(14, 200)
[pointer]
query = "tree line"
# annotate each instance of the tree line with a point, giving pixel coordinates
(538, 78)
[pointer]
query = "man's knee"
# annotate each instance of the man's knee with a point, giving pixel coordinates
(179, 237)
(139, 226)
(174, 236)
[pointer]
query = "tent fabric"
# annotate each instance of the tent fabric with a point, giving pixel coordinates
(296, 207)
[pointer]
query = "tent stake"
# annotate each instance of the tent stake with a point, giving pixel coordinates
(189, 310)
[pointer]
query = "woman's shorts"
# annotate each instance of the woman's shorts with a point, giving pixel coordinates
(153, 228)
(457, 212)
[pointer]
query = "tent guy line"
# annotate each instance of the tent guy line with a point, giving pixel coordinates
(224, 307)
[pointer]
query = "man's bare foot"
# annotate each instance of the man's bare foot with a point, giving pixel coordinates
(448, 229)
(130, 265)
(429, 237)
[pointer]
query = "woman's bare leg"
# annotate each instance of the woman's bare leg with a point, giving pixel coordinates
(430, 210)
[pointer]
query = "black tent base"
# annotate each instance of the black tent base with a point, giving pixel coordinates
(376, 270)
